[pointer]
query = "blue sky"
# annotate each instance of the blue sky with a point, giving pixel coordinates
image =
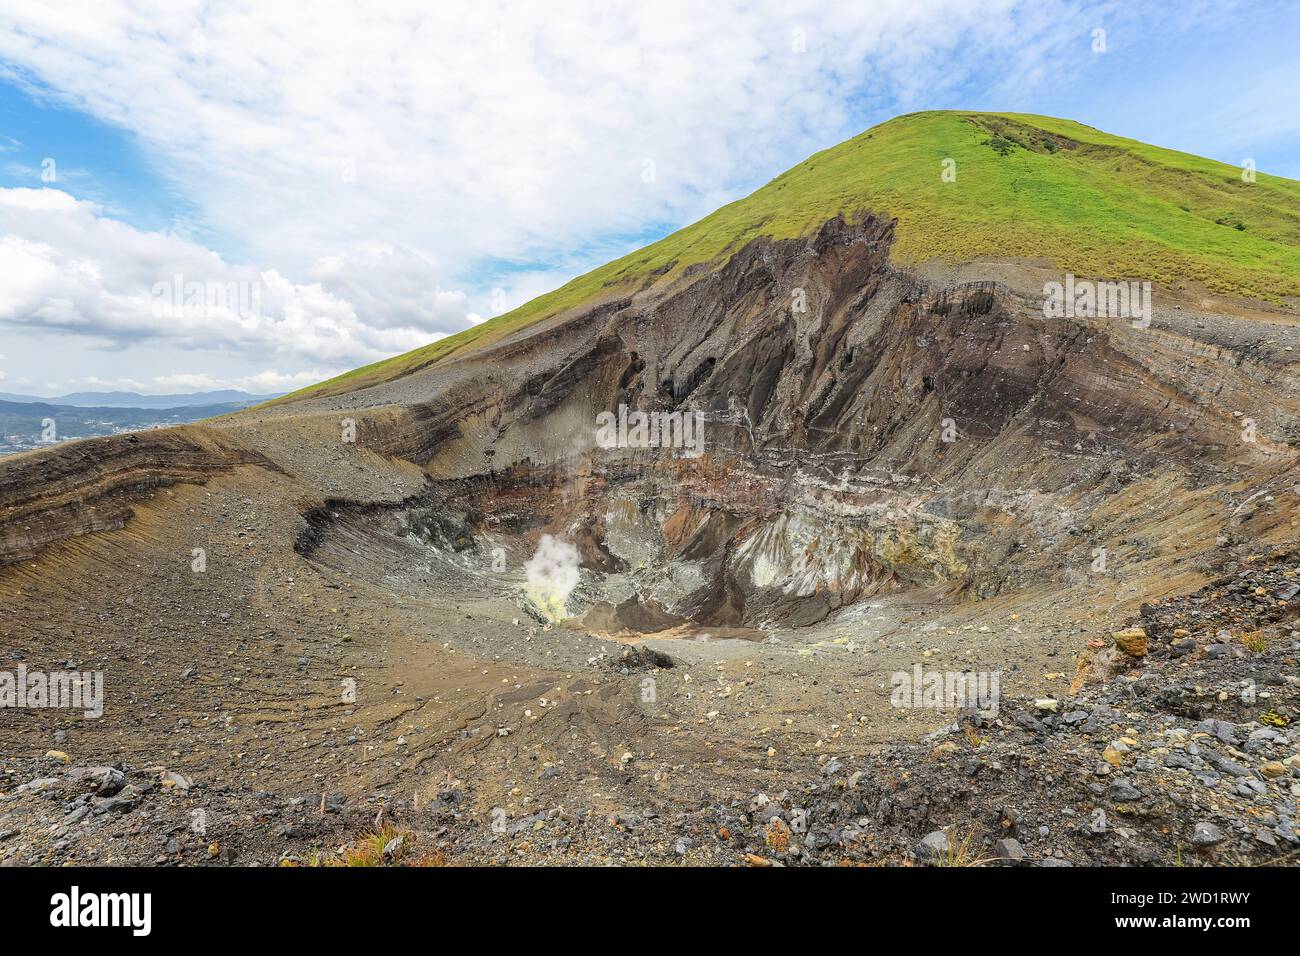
(380, 182)
(95, 160)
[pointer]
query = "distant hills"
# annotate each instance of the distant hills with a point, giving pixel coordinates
(27, 422)
(227, 396)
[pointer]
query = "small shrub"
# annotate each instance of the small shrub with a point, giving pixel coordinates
(1000, 145)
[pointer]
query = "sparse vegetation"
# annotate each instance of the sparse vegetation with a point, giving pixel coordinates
(387, 846)
(1256, 641)
(961, 853)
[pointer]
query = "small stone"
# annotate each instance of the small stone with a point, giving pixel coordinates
(1207, 834)
(1010, 849)
(1132, 641)
(103, 781)
(1122, 791)
(1113, 757)
(932, 848)
(170, 779)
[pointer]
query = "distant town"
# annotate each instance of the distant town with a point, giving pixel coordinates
(28, 422)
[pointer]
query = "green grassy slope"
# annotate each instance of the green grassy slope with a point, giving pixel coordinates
(1026, 186)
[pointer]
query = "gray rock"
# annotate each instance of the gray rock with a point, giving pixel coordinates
(932, 848)
(103, 781)
(40, 783)
(1224, 730)
(1207, 834)
(1010, 849)
(1223, 764)
(1121, 791)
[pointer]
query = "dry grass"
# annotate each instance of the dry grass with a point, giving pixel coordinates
(961, 853)
(1256, 641)
(369, 851)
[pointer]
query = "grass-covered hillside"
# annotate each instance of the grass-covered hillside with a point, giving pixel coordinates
(1025, 186)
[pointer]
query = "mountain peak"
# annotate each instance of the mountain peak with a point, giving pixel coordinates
(963, 186)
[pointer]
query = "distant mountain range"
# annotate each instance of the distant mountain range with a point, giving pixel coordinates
(34, 423)
(136, 400)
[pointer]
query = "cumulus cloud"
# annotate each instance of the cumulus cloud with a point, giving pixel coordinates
(65, 267)
(499, 130)
(392, 287)
(386, 168)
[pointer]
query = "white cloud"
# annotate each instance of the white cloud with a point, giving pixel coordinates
(391, 287)
(495, 129)
(64, 267)
(372, 163)
(263, 383)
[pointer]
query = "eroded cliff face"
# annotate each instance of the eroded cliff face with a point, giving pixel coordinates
(89, 486)
(851, 430)
(862, 431)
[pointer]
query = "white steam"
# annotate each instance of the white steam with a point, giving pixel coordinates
(552, 576)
